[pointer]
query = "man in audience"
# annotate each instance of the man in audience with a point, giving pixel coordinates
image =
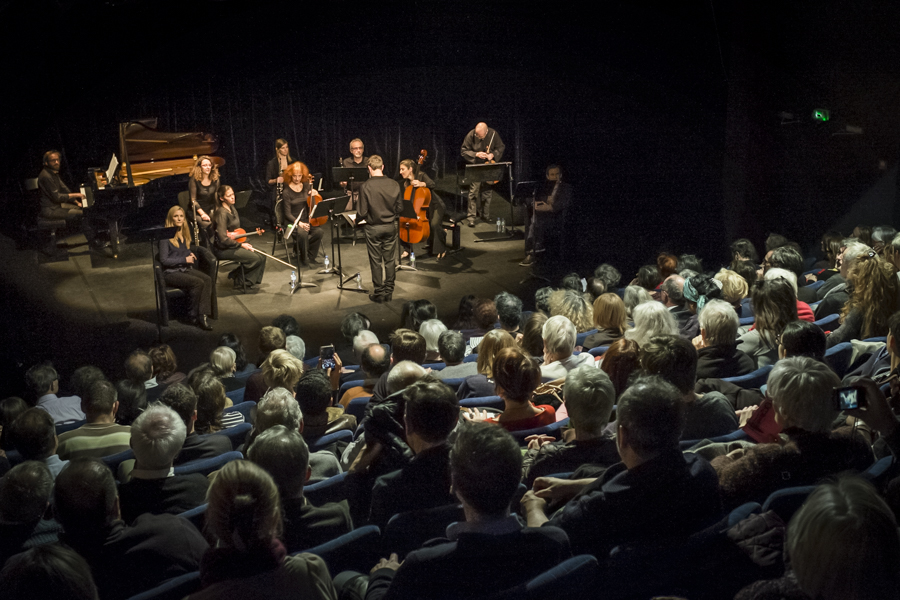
(101, 435)
(375, 362)
(717, 353)
(791, 260)
(452, 346)
(284, 454)
(83, 377)
(183, 401)
(351, 325)
(139, 368)
(589, 396)
(509, 312)
(834, 294)
(671, 294)
(656, 492)
(361, 341)
(314, 395)
(406, 344)
(34, 436)
(156, 438)
(24, 498)
(490, 551)
(270, 338)
(559, 344)
(674, 359)
(288, 324)
(43, 384)
(125, 560)
(278, 407)
(431, 413)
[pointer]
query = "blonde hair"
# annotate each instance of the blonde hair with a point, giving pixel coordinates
(734, 287)
(184, 233)
(244, 509)
(492, 343)
(573, 306)
(197, 173)
(282, 369)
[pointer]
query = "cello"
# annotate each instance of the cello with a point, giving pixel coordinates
(312, 201)
(413, 231)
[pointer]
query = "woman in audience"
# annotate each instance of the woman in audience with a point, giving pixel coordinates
(222, 362)
(743, 250)
(132, 399)
(516, 376)
(532, 339)
(574, 307)
(431, 330)
(282, 369)
(247, 560)
(831, 248)
(465, 317)
(416, 312)
(621, 360)
(842, 544)
(774, 305)
(863, 233)
(48, 571)
(802, 392)
(242, 368)
(734, 288)
(635, 295)
(666, 264)
(559, 347)
(211, 404)
(609, 320)
(10, 408)
(647, 278)
(882, 235)
(542, 299)
(651, 318)
(875, 297)
(891, 253)
(717, 353)
(802, 338)
(165, 365)
(482, 384)
(698, 290)
(748, 272)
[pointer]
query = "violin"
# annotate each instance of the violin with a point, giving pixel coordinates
(311, 201)
(240, 236)
(413, 231)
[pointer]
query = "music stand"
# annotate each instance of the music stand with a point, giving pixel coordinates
(408, 212)
(338, 267)
(351, 175)
(494, 172)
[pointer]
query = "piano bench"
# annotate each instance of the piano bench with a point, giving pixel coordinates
(50, 247)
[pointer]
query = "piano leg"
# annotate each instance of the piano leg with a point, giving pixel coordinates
(114, 237)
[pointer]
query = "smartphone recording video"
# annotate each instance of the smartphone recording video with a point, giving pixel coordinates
(326, 353)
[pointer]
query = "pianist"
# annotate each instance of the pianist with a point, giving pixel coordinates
(57, 201)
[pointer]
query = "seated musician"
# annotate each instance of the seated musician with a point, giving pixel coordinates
(545, 220)
(274, 170)
(225, 247)
(180, 268)
(411, 175)
(57, 201)
(203, 182)
(297, 197)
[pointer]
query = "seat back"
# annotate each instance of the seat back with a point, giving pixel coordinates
(344, 435)
(838, 358)
(173, 589)
(61, 429)
(751, 381)
(828, 323)
(245, 408)
(205, 466)
(330, 490)
(483, 402)
(349, 384)
(785, 502)
(569, 579)
(236, 397)
(552, 429)
(579, 339)
(454, 383)
(236, 434)
(197, 516)
(357, 407)
(114, 460)
(357, 550)
(598, 351)
(407, 531)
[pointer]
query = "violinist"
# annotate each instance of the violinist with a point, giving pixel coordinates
(544, 222)
(203, 181)
(276, 167)
(412, 176)
(181, 270)
(226, 220)
(297, 198)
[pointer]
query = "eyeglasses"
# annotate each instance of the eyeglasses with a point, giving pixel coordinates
(356, 147)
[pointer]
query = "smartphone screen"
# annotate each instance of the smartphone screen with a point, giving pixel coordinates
(326, 353)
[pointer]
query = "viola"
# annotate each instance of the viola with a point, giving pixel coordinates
(240, 236)
(311, 201)
(413, 231)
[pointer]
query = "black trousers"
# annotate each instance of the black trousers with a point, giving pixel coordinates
(381, 242)
(254, 264)
(72, 216)
(198, 287)
(308, 242)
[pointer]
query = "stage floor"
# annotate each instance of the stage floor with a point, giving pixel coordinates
(95, 310)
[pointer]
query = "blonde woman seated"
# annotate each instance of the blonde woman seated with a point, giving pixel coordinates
(516, 376)
(574, 307)
(650, 319)
(609, 320)
(181, 270)
(559, 345)
(282, 370)
(482, 384)
(246, 559)
(734, 288)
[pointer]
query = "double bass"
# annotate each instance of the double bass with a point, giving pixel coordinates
(413, 231)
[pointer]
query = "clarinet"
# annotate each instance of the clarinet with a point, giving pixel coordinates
(196, 225)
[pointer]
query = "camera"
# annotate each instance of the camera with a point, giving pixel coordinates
(326, 353)
(846, 398)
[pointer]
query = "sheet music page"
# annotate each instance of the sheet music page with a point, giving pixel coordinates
(111, 171)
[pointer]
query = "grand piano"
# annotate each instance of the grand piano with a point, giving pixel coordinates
(153, 170)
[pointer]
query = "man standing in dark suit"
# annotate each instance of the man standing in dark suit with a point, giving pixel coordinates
(481, 145)
(380, 204)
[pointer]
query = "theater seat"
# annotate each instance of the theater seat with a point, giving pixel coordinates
(483, 402)
(330, 490)
(552, 429)
(785, 502)
(245, 408)
(236, 434)
(751, 381)
(407, 531)
(173, 589)
(598, 351)
(205, 466)
(344, 435)
(236, 396)
(569, 579)
(357, 550)
(357, 407)
(838, 358)
(197, 516)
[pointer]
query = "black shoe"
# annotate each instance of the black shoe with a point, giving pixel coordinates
(486, 219)
(387, 298)
(376, 298)
(202, 323)
(240, 284)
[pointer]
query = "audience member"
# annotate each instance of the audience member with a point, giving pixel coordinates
(24, 520)
(314, 395)
(165, 365)
(509, 312)
(559, 345)
(270, 339)
(287, 324)
(532, 340)
(222, 362)
(609, 275)
(431, 330)
(482, 384)
(375, 362)
(804, 312)
(465, 316)
(609, 321)
(734, 288)
(43, 384)
(671, 294)
(248, 560)
(574, 307)
(132, 397)
(542, 300)
(156, 438)
(774, 305)
(791, 260)
(698, 290)
(635, 296)
(416, 312)
(650, 319)
(874, 298)
(184, 401)
(351, 325)
(620, 361)
(34, 436)
(124, 560)
(242, 368)
(48, 571)
(363, 340)
(717, 353)
(802, 338)
(100, 436)
(406, 344)
(833, 295)
(452, 347)
(10, 409)
(139, 368)
(83, 377)
(743, 250)
(296, 346)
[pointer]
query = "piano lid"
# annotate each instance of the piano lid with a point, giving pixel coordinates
(154, 153)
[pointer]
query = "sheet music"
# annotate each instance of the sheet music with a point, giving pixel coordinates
(113, 165)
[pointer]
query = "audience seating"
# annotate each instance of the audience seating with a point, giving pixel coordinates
(330, 490)
(742, 512)
(738, 434)
(483, 402)
(828, 323)
(787, 501)
(744, 321)
(357, 407)
(174, 589)
(552, 429)
(572, 578)
(598, 351)
(838, 358)
(876, 339)
(471, 358)
(197, 516)
(206, 466)
(752, 380)
(746, 308)
(358, 550)
(245, 408)
(236, 434)
(455, 382)
(349, 384)
(114, 460)
(407, 531)
(61, 429)
(437, 366)
(579, 338)
(816, 284)
(236, 396)
(880, 471)
(13, 457)
(344, 435)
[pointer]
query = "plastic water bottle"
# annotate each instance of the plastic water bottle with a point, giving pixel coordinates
(293, 279)
(358, 282)
(502, 225)
(327, 263)
(498, 224)
(412, 259)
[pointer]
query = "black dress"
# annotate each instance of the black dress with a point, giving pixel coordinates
(294, 204)
(225, 248)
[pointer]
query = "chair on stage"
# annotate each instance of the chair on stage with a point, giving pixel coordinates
(35, 224)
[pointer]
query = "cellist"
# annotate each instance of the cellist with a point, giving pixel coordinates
(411, 175)
(297, 198)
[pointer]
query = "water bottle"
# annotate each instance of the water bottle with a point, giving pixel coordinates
(412, 259)
(498, 224)
(293, 279)
(327, 263)
(502, 225)
(358, 282)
